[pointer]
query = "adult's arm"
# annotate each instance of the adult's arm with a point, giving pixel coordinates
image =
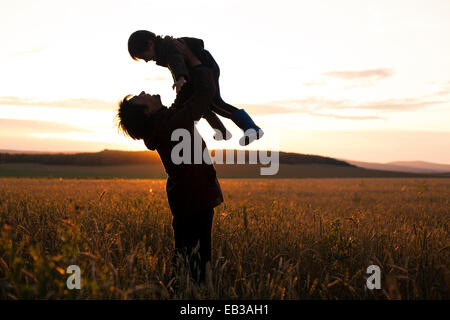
(197, 104)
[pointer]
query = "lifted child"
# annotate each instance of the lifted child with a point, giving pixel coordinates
(168, 52)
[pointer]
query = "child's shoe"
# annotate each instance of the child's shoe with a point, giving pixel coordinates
(219, 135)
(251, 135)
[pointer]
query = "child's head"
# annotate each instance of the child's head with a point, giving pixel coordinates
(141, 45)
(134, 112)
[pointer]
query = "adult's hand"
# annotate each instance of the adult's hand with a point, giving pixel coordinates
(186, 52)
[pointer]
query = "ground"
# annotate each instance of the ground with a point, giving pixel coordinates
(272, 239)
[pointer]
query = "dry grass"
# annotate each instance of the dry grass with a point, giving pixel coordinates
(273, 239)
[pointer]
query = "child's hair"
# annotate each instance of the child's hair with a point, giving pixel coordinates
(138, 42)
(131, 118)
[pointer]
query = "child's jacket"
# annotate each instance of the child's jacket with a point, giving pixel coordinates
(167, 55)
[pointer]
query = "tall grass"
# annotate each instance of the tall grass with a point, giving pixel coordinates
(272, 239)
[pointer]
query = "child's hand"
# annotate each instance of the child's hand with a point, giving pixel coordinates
(179, 83)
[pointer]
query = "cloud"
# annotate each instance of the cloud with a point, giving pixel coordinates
(16, 126)
(399, 105)
(321, 107)
(268, 108)
(307, 106)
(314, 83)
(362, 74)
(67, 103)
(445, 90)
(291, 106)
(337, 116)
(33, 50)
(406, 104)
(30, 143)
(157, 78)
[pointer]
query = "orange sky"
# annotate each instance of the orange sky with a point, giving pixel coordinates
(361, 80)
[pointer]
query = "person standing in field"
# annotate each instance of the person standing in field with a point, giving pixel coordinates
(193, 190)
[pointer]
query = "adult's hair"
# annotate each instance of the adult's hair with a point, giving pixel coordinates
(138, 42)
(131, 118)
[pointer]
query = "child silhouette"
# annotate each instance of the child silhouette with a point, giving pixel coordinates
(171, 53)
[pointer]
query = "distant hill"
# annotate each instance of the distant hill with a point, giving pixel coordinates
(23, 151)
(102, 158)
(405, 166)
(117, 157)
(147, 164)
(151, 171)
(423, 165)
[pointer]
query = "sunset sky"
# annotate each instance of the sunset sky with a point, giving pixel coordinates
(360, 80)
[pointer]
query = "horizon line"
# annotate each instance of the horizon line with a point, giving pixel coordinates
(123, 150)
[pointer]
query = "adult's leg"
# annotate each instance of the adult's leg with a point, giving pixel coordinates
(191, 231)
(205, 241)
(185, 236)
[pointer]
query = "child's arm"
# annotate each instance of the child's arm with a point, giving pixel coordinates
(177, 65)
(189, 57)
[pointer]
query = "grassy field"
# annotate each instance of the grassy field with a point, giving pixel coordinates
(272, 239)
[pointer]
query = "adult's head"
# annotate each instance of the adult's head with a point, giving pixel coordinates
(134, 111)
(141, 45)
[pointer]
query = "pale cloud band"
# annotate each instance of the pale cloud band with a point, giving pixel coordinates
(33, 50)
(81, 103)
(20, 127)
(312, 105)
(361, 74)
(26, 126)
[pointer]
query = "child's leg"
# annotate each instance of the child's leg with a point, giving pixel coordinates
(238, 116)
(241, 118)
(221, 107)
(217, 124)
